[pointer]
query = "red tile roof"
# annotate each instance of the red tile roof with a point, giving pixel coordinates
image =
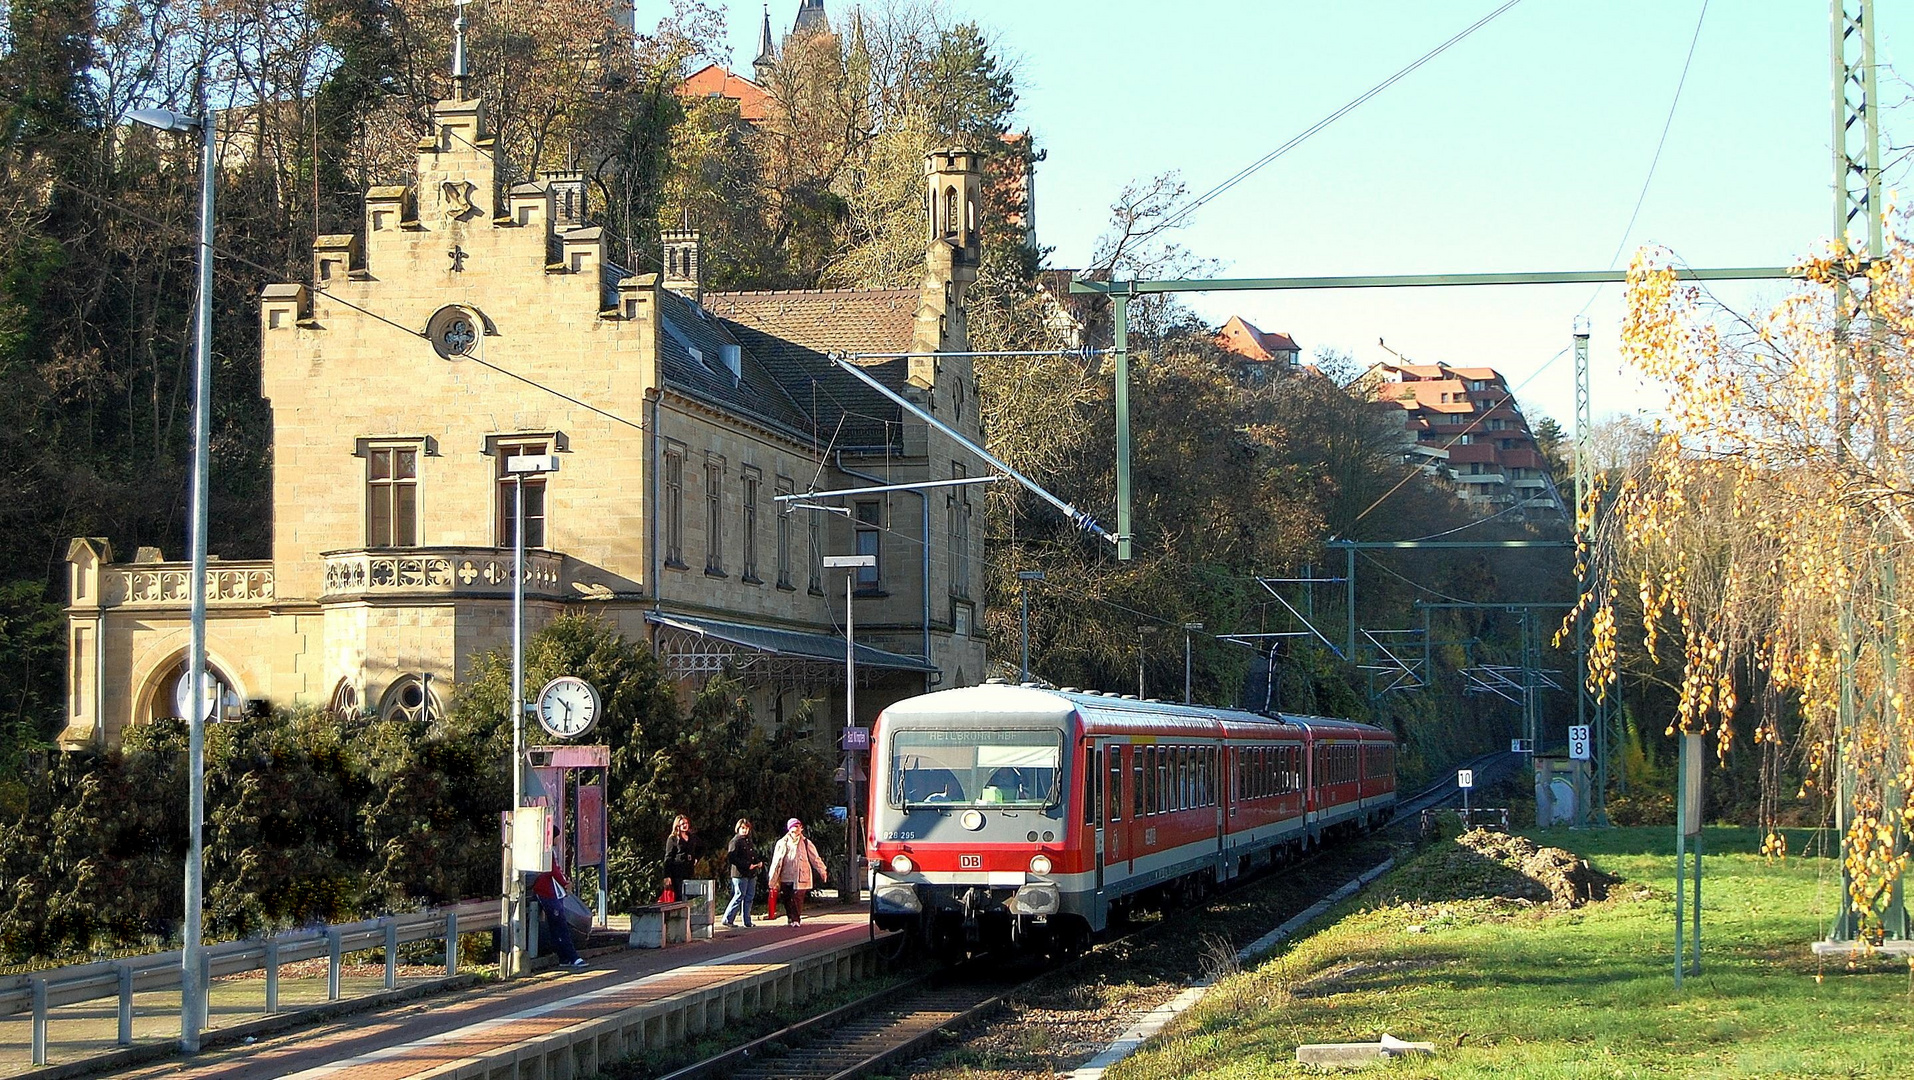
(715, 80)
(1243, 338)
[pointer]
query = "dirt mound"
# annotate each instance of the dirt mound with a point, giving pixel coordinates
(1566, 878)
(1484, 865)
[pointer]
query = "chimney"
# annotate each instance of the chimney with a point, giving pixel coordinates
(683, 274)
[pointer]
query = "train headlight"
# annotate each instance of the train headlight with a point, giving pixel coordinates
(973, 820)
(902, 864)
(1040, 864)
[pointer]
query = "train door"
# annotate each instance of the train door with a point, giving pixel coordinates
(1111, 850)
(1217, 791)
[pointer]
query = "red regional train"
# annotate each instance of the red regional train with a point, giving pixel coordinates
(1015, 815)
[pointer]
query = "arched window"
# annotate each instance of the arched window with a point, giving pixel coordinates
(970, 220)
(410, 697)
(174, 690)
(345, 700)
(950, 212)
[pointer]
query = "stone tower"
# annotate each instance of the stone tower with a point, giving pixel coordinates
(953, 193)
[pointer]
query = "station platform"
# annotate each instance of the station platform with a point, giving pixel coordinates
(563, 1023)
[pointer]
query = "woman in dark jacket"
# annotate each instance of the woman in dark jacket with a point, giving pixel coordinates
(741, 855)
(678, 856)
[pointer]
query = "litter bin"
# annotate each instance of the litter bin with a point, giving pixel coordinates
(702, 893)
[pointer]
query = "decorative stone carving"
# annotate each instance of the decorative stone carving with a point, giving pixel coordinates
(163, 584)
(451, 572)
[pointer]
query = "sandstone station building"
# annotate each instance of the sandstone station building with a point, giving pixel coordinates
(467, 325)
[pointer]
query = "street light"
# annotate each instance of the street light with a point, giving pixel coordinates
(1026, 577)
(849, 563)
(192, 1010)
(1187, 628)
(516, 961)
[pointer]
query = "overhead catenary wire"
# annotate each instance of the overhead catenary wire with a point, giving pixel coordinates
(1655, 160)
(1354, 103)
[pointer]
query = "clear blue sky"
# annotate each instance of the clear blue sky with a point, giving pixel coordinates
(1524, 147)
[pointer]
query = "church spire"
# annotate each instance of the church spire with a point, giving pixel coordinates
(767, 59)
(811, 19)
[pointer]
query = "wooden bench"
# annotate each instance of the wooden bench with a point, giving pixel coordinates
(653, 926)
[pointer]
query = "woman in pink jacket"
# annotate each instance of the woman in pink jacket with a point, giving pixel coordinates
(793, 862)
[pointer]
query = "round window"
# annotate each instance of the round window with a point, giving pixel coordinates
(454, 332)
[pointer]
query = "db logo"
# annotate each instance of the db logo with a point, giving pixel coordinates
(970, 862)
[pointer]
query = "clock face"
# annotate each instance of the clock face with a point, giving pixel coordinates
(568, 707)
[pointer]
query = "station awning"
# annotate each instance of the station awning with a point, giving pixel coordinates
(688, 645)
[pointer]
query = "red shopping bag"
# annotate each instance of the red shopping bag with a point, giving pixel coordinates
(771, 904)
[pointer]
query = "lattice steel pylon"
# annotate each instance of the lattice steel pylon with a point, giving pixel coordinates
(1859, 241)
(1594, 706)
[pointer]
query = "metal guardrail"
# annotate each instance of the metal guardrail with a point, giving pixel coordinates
(43, 991)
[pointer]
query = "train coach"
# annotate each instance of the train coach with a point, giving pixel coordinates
(1027, 816)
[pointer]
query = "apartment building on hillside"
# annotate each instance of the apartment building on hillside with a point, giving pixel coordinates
(1464, 425)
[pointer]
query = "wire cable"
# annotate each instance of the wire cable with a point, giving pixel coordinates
(1297, 140)
(1667, 123)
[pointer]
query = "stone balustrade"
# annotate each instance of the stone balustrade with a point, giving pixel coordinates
(439, 572)
(228, 584)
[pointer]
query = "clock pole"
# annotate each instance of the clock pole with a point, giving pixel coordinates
(515, 962)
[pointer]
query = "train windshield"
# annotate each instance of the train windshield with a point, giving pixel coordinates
(975, 768)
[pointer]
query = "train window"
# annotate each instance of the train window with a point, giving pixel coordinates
(1147, 755)
(1136, 781)
(1202, 776)
(1159, 779)
(975, 767)
(1181, 759)
(1114, 794)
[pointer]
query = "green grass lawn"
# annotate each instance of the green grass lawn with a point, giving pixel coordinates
(1505, 989)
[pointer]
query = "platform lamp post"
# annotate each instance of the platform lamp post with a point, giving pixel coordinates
(1025, 577)
(1189, 628)
(516, 962)
(192, 1018)
(851, 564)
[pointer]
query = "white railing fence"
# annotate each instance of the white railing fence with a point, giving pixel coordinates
(43, 991)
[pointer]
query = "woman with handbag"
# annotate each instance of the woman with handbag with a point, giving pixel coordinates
(678, 857)
(793, 863)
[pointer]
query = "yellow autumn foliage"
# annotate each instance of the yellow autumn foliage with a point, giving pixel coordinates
(1771, 527)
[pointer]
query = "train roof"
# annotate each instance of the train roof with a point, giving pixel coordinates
(1029, 702)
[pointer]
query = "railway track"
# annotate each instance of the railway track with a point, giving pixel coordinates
(865, 1035)
(896, 1023)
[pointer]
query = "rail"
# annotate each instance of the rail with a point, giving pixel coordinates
(43, 991)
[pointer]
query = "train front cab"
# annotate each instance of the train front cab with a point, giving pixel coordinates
(971, 839)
